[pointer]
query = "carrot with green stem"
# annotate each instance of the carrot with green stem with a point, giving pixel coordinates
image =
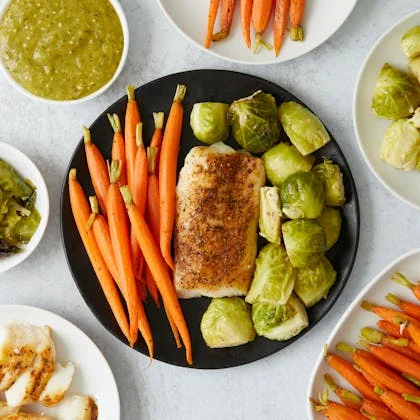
(281, 13)
(392, 329)
(398, 405)
(387, 313)
(297, 9)
(81, 213)
(132, 118)
(168, 172)
(100, 229)
(118, 146)
(348, 398)
(403, 281)
(246, 12)
(158, 118)
(211, 20)
(261, 13)
(228, 8)
(409, 308)
(120, 239)
(158, 268)
(335, 411)
(97, 169)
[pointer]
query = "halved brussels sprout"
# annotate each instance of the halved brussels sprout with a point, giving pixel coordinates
(270, 214)
(304, 129)
(227, 323)
(410, 42)
(313, 283)
(274, 277)
(283, 160)
(401, 145)
(415, 119)
(254, 122)
(279, 322)
(332, 179)
(304, 241)
(414, 66)
(330, 220)
(397, 94)
(208, 121)
(302, 196)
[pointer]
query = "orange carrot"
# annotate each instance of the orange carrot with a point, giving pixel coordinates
(352, 376)
(97, 169)
(153, 213)
(100, 229)
(81, 213)
(400, 279)
(376, 410)
(120, 239)
(118, 147)
(297, 9)
(158, 268)
(335, 411)
(414, 332)
(213, 9)
(167, 173)
(173, 328)
(388, 314)
(261, 12)
(156, 141)
(281, 11)
(132, 118)
(409, 308)
(392, 329)
(151, 286)
(398, 405)
(228, 8)
(348, 398)
(246, 11)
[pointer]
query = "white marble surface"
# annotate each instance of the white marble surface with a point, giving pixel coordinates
(273, 388)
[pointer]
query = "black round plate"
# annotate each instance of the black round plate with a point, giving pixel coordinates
(202, 86)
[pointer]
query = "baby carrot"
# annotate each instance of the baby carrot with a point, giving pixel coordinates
(228, 8)
(297, 9)
(392, 329)
(151, 286)
(409, 308)
(261, 12)
(387, 313)
(398, 405)
(376, 410)
(348, 398)
(81, 212)
(213, 9)
(246, 10)
(97, 169)
(167, 173)
(401, 279)
(281, 12)
(118, 147)
(156, 141)
(335, 411)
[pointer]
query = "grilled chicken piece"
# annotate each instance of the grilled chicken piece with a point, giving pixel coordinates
(218, 195)
(58, 385)
(77, 407)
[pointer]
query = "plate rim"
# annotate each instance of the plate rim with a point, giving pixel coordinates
(356, 94)
(275, 60)
(345, 314)
(290, 341)
(70, 325)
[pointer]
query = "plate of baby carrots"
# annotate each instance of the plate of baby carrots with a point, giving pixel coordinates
(117, 193)
(257, 31)
(370, 366)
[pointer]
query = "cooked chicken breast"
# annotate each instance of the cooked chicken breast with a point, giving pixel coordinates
(218, 196)
(58, 385)
(77, 407)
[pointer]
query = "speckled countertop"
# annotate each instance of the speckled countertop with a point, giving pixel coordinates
(273, 388)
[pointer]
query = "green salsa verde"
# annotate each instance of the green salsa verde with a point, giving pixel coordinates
(61, 49)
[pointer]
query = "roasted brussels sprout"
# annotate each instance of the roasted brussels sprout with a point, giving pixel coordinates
(330, 220)
(313, 283)
(302, 196)
(254, 122)
(303, 128)
(415, 119)
(279, 322)
(283, 160)
(274, 277)
(227, 323)
(401, 145)
(332, 179)
(208, 121)
(410, 42)
(414, 66)
(397, 94)
(270, 214)
(304, 241)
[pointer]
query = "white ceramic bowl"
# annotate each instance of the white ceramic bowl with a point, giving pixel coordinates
(28, 170)
(124, 25)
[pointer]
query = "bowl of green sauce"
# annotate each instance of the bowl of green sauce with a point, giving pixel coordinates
(62, 51)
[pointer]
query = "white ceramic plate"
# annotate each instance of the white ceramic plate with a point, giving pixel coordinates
(27, 170)
(355, 318)
(369, 128)
(93, 375)
(322, 19)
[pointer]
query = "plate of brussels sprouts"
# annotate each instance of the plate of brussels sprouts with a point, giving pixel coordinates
(386, 109)
(304, 226)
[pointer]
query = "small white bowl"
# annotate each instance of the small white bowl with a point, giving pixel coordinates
(27, 169)
(21, 89)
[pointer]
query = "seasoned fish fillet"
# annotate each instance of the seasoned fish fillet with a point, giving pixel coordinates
(218, 196)
(58, 384)
(77, 407)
